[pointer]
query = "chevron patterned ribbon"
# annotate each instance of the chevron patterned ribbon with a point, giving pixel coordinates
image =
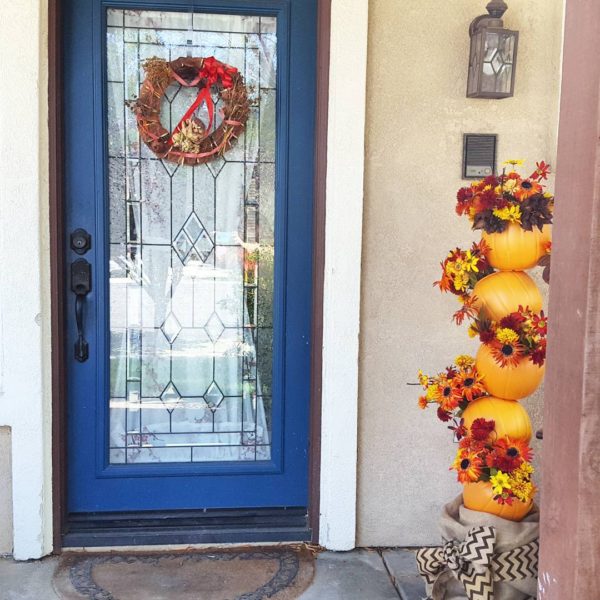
(475, 565)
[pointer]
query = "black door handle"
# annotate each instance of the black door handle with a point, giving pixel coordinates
(81, 286)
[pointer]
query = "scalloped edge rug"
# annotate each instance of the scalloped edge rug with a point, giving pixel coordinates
(248, 574)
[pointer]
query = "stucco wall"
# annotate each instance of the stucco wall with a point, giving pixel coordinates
(416, 115)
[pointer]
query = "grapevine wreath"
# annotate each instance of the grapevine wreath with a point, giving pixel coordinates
(191, 142)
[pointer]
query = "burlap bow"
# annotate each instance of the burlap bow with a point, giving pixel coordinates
(475, 565)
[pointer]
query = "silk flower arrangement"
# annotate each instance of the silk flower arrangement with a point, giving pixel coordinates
(504, 309)
(478, 397)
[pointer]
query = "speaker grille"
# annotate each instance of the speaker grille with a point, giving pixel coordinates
(479, 155)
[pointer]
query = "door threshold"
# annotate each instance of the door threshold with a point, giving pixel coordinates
(199, 547)
(187, 527)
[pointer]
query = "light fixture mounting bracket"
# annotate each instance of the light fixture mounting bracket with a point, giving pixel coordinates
(496, 9)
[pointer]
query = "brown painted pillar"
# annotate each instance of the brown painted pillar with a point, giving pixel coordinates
(570, 519)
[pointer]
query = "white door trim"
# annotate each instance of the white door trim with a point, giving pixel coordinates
(25, 379)
(343, 244)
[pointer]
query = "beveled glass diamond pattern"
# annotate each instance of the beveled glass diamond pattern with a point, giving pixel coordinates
(192, 243)
(213, 396)
(171, 328)
(192, 257)
(183, 245)
(193, 227)
(204, 245)
(214, 327)
(170, 397)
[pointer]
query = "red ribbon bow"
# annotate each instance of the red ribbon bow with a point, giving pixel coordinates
(212, 70)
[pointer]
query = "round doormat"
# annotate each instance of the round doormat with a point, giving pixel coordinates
(252, 574)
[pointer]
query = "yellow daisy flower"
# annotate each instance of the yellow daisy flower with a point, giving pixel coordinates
(464, 360)
(508, 213)
(520, 482)
(459, 265)
(470, 262)
(500, 482)
(507, 336)
(461, 281)
(526, 468)
(433, 393)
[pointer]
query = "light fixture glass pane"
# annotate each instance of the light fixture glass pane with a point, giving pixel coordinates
(507, 48)
(488, 78)
(490, 46)
(504, 79)
(474, 64)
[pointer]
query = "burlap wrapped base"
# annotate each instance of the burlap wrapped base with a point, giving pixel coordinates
(456, 523)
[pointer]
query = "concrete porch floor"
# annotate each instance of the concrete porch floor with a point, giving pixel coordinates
(387, 574)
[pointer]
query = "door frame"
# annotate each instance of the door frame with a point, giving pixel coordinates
(570, 519)
(58, 273)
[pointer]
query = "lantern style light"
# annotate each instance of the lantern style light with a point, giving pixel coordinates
(493, 56)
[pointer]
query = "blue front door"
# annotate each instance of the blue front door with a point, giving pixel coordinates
(189, 248)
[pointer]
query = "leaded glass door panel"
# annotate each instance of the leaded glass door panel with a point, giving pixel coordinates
(194, 388)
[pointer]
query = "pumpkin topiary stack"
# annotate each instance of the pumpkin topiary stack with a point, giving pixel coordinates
(480, 396)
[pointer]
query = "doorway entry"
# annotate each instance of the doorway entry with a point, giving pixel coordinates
(189, 277)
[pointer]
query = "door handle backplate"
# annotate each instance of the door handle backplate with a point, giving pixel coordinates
(81, 286)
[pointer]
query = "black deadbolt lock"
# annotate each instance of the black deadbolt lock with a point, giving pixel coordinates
(81, 241)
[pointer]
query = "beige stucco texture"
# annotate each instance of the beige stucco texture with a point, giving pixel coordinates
(417, 113)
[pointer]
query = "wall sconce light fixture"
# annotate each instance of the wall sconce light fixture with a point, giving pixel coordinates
(493, 56)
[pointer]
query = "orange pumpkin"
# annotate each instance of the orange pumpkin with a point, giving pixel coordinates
(510, 417)
(509, 383)
(503, 292)
(479, 496)
(516, 249)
